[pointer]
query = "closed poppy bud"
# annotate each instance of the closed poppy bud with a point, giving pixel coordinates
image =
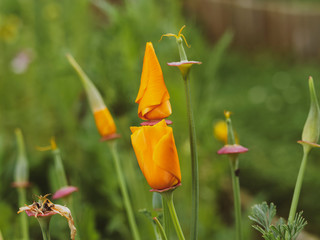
(153, 96)
(311, 128)
(102, 116)
(157, 155)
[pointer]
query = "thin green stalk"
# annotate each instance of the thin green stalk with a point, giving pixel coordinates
(297, 189)
(234, 162)
(161, 230)
(21, 177)
(124, 191)
(166, 219)
(23, 217)
(44, 225)
(168, 197)
(61, 176)
(194, 163)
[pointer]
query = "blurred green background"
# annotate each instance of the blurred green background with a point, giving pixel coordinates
(265, 88)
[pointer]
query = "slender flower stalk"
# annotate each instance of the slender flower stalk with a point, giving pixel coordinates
(233, 150)
(107, 129)
(166, 218)
(44, 223)
(21, 181)
(161, 230)
(194, 163)
(234, 162)
(184, 66)
(310, 137)
(123, 188)
(168, 199)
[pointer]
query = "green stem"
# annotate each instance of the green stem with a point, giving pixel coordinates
(297, 189)
(23, 217)
(194, 163)
(124, 191)
(161, 230)
(44, 225)
(168, 197)
(166, 219)
(62, 179)
(234, 163)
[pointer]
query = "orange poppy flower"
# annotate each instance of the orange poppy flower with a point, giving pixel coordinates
(157, 155)
(153, 96)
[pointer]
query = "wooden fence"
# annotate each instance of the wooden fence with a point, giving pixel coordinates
(286, 28)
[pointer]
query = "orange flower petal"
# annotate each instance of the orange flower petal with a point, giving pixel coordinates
(153, 96)
(166, 157)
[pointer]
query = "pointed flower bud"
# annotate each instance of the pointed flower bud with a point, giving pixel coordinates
(184, 65)
(157, 155)
(311, 130)
(21, 174)
(102, 116)
(153, 96)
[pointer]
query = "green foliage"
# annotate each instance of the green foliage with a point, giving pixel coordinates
(263, 215)
(265, 93)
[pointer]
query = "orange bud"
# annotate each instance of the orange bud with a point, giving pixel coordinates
(102, 116)
(157, 155)
(104, 122)
(153, 96)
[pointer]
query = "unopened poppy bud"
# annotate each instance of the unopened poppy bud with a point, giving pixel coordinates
(311, 128)
(153, 97)
(102, 116)
(157, 155)
(21, 173)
